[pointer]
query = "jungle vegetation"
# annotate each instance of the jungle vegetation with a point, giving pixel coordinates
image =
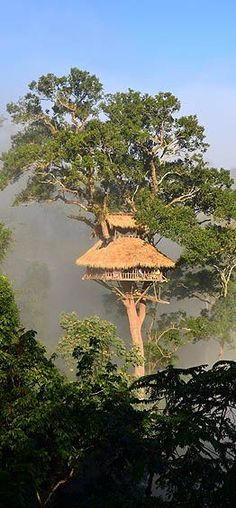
(105, 438)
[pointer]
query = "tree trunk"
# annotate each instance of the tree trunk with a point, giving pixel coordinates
(105, 230)
(136, 318)
(221, 351)
(154, 181)
(225, 289)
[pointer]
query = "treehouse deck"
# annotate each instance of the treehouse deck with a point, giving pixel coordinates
(137, 275)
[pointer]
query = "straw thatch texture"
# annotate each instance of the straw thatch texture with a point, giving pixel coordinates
(124, 253)
(122, 221)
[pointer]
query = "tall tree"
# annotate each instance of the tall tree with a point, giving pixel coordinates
(126, 151)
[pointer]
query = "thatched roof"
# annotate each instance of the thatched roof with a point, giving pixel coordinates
(122, 221)
(124, 253)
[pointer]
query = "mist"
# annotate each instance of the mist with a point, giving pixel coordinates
(46, 242)
(41, 265)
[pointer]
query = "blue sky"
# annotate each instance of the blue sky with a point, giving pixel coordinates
(187, 47)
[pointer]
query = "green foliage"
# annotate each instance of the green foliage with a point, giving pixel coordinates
(171, 222)
(226, 205)
(223, 318)
(30, 390)
(9, 316)
(142, 117)
(5, 239)
(139, 141)
(82, 337)
(139, 153)
(212, 245)
(192, 437)
(173, 331)
(60, 140)
(93, 442)
(53, 430)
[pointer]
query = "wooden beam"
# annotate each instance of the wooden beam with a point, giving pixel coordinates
(151, 298)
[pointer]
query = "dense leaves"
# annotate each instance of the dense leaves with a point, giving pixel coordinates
(140, 141)
(29, 396)
(81, 336)
(170, 332)
(193, 436)
(5, 239)
(166, 440)
(53, 431)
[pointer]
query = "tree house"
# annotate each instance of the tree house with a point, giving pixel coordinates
(129, 266)
(123, 224)
(125, 259)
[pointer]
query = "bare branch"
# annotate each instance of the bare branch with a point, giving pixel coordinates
(203, 221)
(167, 174)
(69, 201)
(196, 295)
(184, 197)
(231, 270)
(154, 299)
(142, 295)
(177, 328)
(58, 484)
(78, 192)
(81, 218)
(62, 196)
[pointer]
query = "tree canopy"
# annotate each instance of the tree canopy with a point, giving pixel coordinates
(95, 150)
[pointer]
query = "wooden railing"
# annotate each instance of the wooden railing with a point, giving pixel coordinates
(124, 275)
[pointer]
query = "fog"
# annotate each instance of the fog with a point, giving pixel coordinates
(44, 238)
(41, 265)
(46, 243)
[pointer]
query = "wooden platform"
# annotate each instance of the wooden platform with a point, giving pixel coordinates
(136, 275)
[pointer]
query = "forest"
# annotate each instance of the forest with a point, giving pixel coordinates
(104, 420)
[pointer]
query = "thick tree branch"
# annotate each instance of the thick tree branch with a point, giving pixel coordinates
(225, 276)
(154, 181)
(47, 121)
(65, 190)
(196, 295)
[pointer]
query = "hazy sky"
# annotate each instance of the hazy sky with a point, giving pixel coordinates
(187, 47)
